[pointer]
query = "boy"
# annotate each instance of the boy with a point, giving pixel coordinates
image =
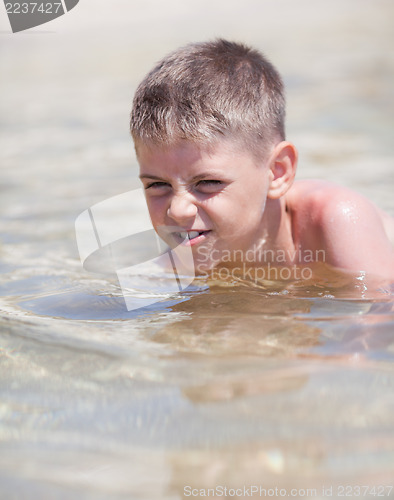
(218, 172)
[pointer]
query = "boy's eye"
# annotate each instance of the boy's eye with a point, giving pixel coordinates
(209, 185)
(156, 184)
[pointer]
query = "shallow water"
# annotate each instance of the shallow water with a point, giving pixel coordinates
(230, 384)
(282, 384)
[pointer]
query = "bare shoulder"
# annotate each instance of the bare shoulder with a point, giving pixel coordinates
(315, 203)
(323, 201)
(319, 193)
(352, 230)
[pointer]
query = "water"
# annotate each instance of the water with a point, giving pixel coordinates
(286, 385)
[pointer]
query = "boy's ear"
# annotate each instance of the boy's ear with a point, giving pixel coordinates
(283, 166)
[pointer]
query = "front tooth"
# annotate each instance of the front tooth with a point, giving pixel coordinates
(193, 234)
(183, 235)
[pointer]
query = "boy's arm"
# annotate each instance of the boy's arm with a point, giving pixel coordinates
(353, 233)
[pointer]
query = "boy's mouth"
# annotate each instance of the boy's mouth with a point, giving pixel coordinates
(191, 237)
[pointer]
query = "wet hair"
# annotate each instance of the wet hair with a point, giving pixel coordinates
(208, 91)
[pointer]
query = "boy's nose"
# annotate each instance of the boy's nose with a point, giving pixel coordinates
(182, 207)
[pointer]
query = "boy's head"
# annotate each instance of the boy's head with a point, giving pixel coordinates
(209, 91)
(208, 126)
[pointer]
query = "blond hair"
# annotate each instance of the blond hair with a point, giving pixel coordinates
(206, 91)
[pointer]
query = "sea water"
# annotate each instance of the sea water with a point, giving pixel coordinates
(286, 386)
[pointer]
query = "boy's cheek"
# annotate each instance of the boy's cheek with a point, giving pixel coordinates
(156, 209)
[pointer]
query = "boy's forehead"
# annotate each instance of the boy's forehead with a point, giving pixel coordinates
(178, 150)
(189, 152)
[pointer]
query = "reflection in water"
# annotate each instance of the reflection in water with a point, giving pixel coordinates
(234, 321)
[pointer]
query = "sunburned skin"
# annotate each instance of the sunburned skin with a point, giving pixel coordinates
(354, 233)
(225, 202)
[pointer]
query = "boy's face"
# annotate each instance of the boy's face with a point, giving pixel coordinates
(215, 197)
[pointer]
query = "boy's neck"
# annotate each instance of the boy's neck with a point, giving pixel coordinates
(278, 234)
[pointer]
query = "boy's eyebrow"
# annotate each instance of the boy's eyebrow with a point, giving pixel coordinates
(148, 176)
(193, 179)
